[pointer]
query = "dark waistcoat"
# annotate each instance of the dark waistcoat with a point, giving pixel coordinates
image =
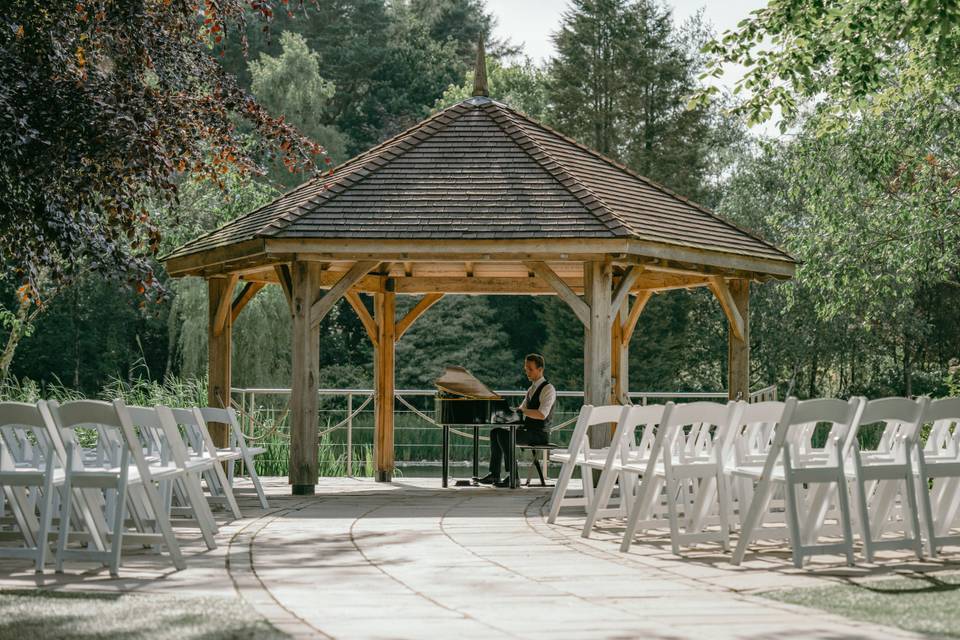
(533, 402)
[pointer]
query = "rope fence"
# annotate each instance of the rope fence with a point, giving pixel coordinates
(263, 423)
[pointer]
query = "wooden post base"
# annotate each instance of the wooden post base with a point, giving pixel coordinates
(384, 476)
(303, 489)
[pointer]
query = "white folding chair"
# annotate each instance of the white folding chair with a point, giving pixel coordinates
(238, 444)
(577, 454)
(625, 450)
(793, 463)
(116, 465)
(879, 475)
(200, 447)
(686, 463)
(748, 444)
(29, 461)
(939, 462)
(158, 429)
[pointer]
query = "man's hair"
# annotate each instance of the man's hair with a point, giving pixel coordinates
(536, 359)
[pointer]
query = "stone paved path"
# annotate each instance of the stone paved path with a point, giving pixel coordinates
(409, 560)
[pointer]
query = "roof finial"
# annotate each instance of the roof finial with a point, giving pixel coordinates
(480, 73)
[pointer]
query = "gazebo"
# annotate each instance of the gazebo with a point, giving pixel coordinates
(477, 199)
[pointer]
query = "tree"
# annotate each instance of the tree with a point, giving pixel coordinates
(103, 106)
(620, 84)
(460, 330)
(290, 85)
(845, 50)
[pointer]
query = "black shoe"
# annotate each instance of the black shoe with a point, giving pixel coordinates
(503, 483)
(489, 479)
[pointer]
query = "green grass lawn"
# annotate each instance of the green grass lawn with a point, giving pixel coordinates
(39, 615)
(926, 604)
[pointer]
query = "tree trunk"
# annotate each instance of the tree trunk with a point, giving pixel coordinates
(17, 329)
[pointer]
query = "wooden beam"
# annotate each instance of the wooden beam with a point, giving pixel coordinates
(305, 371)
(422, 305)
(738, 348)
(323, 306)
(223, 305)
(626, 283)
(630, 323)
(219, 354)
(365, 318)
(598, 281)
(720, 289)
(580, 308)
(384, 384)
(246, 295)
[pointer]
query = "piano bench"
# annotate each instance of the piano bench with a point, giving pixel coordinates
(535, 450)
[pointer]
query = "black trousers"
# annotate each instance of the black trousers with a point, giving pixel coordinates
(500, 445)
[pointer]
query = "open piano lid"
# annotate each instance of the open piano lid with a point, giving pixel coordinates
(460, 382)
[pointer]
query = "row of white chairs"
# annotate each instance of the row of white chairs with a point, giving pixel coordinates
(94, 476)
(772, 471)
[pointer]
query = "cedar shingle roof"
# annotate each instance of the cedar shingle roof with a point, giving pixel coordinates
(480, 170)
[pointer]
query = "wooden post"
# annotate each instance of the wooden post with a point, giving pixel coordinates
(305, 289)
(597, 284)
(619, 360)
(738, 350)
(384, 304)
(219, 332)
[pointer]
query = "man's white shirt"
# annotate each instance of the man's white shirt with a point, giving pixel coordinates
(547, 396)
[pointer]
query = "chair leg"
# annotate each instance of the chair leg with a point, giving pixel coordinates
(46, 516)
(64, 525)
(600, 501)
(536, 464)
(560, 489)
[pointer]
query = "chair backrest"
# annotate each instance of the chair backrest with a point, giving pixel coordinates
(799, 420)
(117, 442)
(591, 416)
(752, 430)
(195, 429)
(944, 437)
(159, 430)
(649, 418)
(29, 436)
(228, 417)
(901, 418)
(696, 430)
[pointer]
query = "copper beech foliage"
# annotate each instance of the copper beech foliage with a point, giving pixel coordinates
(108, 104)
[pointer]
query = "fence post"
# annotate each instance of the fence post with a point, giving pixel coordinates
(349, 435)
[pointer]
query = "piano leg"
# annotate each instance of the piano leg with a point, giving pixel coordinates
(445, 462)
(514, 480)
(476, 452)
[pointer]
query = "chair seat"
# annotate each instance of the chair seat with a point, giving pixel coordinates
(550, 446)
(28, 476)
(108, 476)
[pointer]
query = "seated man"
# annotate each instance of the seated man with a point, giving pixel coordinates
(537, 409)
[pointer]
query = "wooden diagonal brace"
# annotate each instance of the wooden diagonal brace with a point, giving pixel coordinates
(623, 288)
(720, 289)
(626, 332)
(286, 282)
(224, 304)
(246, 295)
(365, 318)
(322, 307)
(580, 308)
(425, 303)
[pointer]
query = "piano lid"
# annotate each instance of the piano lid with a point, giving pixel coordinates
(458, 381)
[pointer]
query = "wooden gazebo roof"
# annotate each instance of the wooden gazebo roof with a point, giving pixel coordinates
(480, 171)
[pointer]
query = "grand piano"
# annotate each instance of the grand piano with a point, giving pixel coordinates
(463, 401)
